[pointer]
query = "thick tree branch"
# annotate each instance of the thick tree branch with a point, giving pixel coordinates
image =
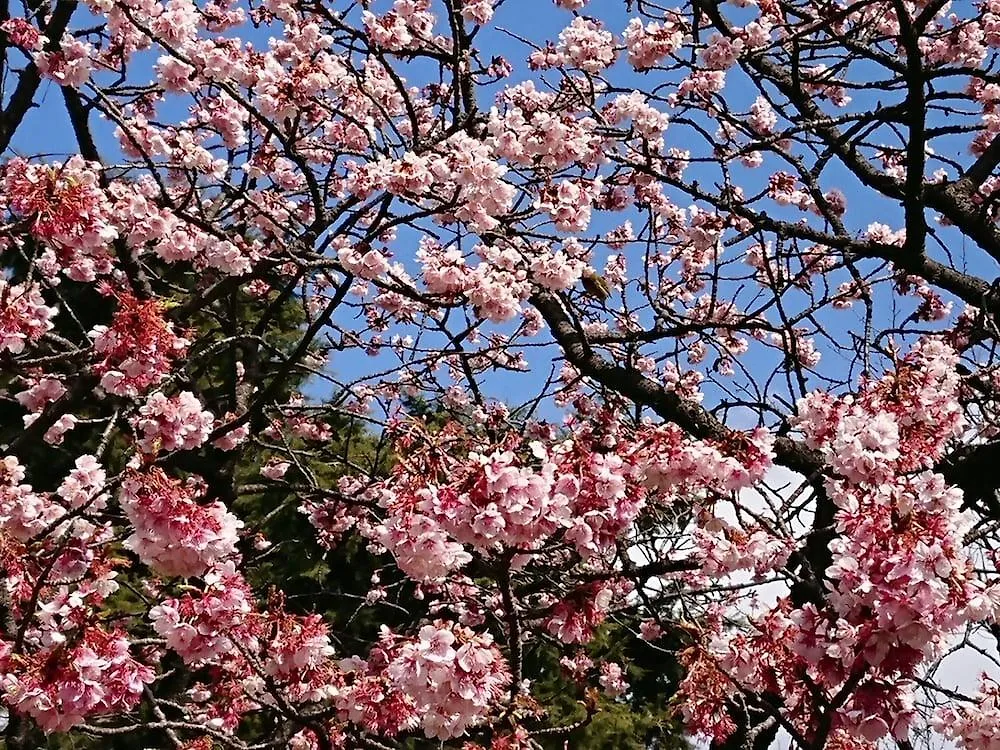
(23, 96)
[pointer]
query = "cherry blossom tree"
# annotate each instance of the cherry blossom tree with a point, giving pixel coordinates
(540, 326)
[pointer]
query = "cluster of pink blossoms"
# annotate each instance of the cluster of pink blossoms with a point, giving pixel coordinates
(446, 679)
(576, 617)
(878, 435)
(39, 519)
(647, 121)
(569, 203)
(493, 502)
(63, 685)
(407, 25)
(974, 727)
(649, 44)
(527, 132)
(674, 462)
(584, 44)
(421, 547)
(23, 512)
(201, 627)
(298, 651)
(461, 169)
(724, 548)
(901, 580)
(24, 316)
(21, 33)
(369, 699)
(248, 651)
(66, 209)
(454, 676)
(252, 656)
(901, 552)
(175, 534)
(70, 65)
(138, 349)
(173, 423)
(76, 219)
(85, 484)
(588, 490)
(39, 393)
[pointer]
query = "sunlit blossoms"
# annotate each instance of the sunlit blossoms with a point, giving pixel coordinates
(881, 432)
(499, 375)
(24, 317)
(174, 533)
(975, 723)
(23, 512)
(64, 684)
(203, 627)
(65, 208)
(901, 580)
(138, 349)
(648, 44)
(453, 676)
(173, 423)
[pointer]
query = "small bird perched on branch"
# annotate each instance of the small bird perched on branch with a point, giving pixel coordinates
(595, 285)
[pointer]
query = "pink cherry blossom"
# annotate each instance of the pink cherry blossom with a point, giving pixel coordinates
(137, 349)
(24, 316)
(63, 686)
(173, 533)
(172, 423)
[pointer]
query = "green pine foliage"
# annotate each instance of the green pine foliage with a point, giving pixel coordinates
(639, 720)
